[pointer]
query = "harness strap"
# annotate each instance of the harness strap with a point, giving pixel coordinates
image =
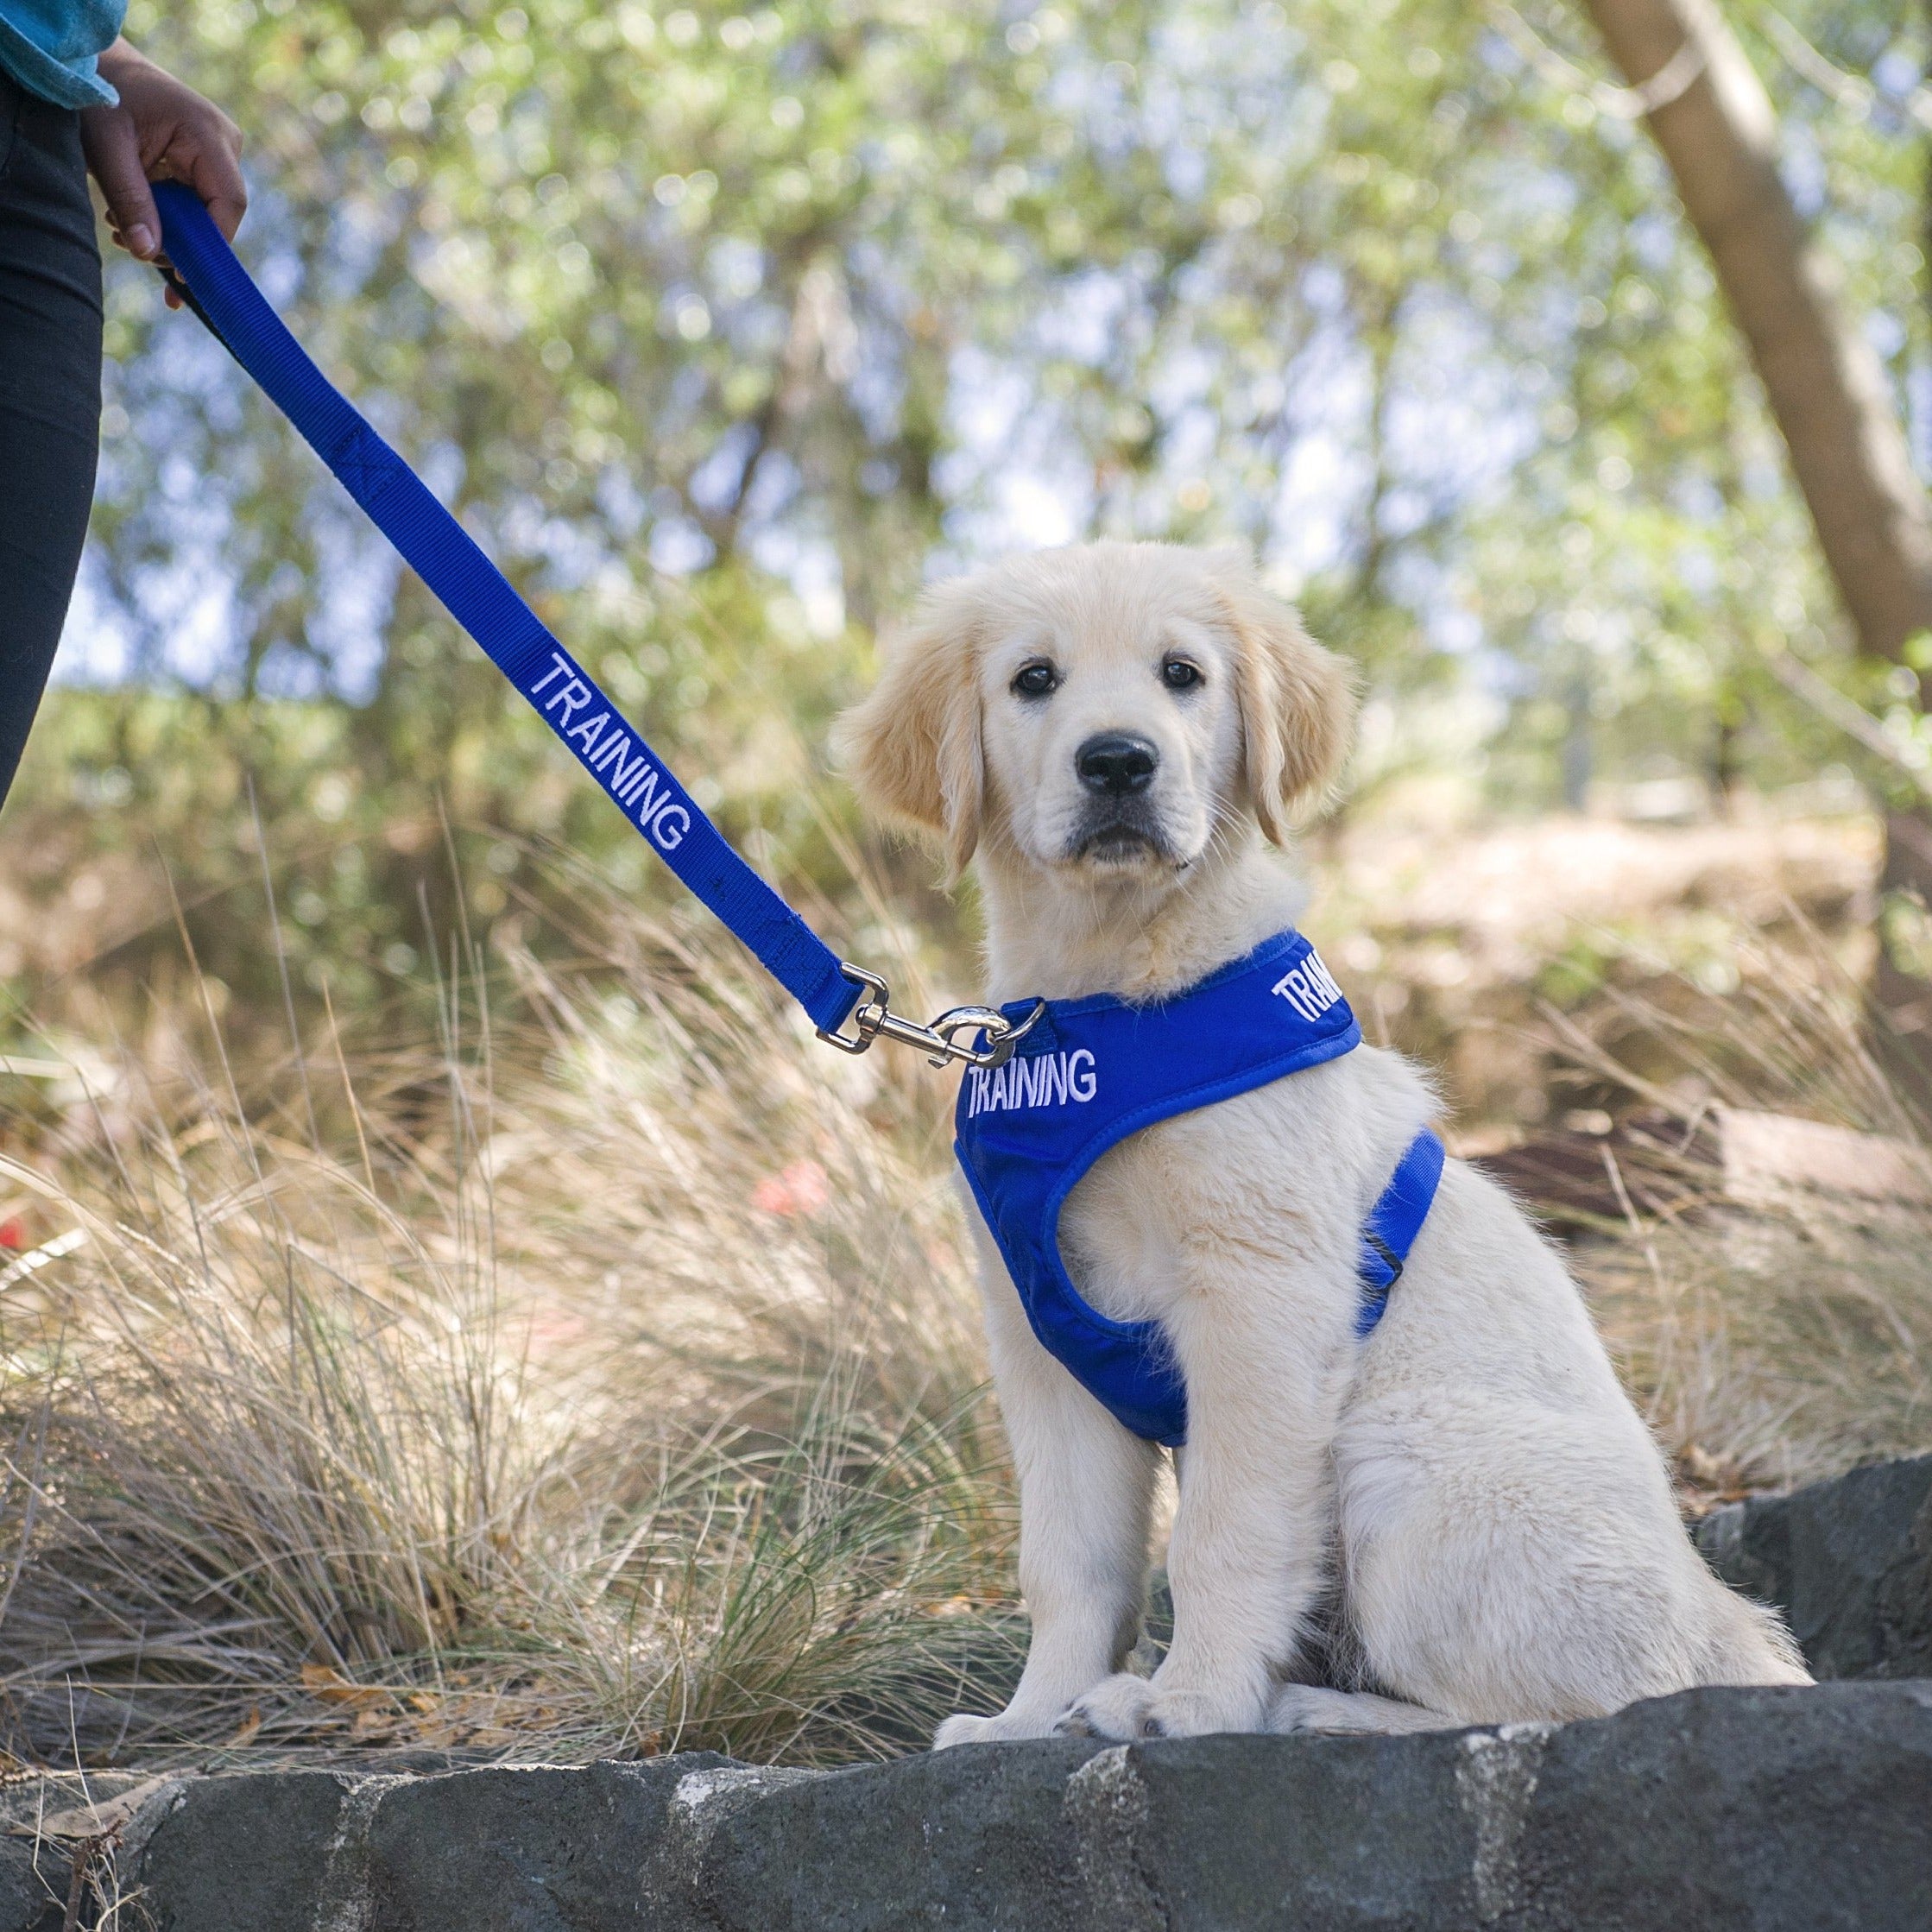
(1392, 1225)
(479, 596)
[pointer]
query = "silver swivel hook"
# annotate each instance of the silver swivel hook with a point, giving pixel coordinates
(950, 1037)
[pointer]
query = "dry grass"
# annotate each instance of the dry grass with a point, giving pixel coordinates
(604, 1380)
(1450, 931)
(1773, 1316)
(602, 1377)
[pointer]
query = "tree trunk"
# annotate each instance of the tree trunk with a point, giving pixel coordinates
(1823, 380)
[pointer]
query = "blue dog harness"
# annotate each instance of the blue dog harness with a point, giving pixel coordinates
(1091, 1072)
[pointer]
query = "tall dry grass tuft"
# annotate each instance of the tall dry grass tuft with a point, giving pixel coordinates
(600, 1377)
(1768, 1292)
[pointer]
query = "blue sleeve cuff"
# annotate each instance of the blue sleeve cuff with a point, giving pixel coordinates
(67, 83)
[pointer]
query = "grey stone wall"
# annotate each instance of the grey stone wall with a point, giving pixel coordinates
(1757, 1809)
(1761, 1810)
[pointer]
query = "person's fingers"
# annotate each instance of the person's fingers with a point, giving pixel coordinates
(217, 178)
(202, 149)
(113, 151)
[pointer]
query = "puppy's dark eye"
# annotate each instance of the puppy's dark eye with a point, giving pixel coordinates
(1177, 675)
(1036, 680)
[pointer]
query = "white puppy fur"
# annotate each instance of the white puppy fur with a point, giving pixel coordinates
(1462, 1519)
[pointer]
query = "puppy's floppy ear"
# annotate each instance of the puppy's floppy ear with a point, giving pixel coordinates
(1297, 702)
(912, 747)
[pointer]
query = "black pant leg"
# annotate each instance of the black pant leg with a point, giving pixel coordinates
(50, 394)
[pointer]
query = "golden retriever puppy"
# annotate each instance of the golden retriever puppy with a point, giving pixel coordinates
(1459, 1519)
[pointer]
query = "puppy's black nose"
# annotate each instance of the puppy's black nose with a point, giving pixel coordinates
(1115, 765)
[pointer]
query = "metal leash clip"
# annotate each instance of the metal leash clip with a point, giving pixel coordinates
(874, 1018)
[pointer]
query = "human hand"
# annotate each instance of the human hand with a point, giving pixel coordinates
(162, 131)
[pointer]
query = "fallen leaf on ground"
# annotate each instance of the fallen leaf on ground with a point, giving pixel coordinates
(328, 1684)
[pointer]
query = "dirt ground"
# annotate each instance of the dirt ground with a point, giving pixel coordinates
(1453, 938)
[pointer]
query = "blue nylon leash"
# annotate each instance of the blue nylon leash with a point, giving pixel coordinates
(478, 596)
(1125, 1365)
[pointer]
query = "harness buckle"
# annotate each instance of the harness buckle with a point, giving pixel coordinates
(1386, 1255)
(873, 1018)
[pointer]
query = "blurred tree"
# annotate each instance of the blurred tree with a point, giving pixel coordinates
(1825, 383)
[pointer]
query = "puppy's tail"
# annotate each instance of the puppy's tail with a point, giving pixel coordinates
(1748, 1644)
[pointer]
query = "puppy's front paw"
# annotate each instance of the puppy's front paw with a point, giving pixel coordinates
(1126, 1709)
(962, 1728)
(1118, 1707)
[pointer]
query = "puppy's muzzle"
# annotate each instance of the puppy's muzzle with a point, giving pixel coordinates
(1121, 823)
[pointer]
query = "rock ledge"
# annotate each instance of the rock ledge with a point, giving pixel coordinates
(1759, 1809)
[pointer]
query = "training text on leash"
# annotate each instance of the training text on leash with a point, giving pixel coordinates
(627, 773)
